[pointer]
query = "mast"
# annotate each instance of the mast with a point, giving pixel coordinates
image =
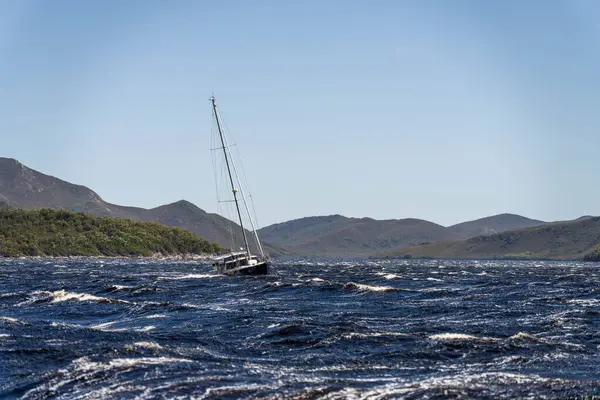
(233, 189)
(260, 249)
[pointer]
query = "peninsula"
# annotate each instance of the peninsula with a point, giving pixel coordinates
(48, 232)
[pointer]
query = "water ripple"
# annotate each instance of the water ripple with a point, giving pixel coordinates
(347, 329)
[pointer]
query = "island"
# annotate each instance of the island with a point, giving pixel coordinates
(53, 233)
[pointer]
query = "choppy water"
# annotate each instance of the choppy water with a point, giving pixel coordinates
(364, 329)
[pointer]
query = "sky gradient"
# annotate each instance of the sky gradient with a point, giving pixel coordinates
(433, 109)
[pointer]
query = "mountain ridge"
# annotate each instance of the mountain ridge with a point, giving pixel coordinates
(337, 235)
(570, 240)
(332, 235)
(26, 188)
(493, 224)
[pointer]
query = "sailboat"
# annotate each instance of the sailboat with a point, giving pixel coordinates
(241, 262)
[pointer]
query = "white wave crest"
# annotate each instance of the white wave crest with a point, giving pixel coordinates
(189, 276)
(145, 345)
(461, 337)
(526, 337)
(371, 288)
(11, 320)
(83, 368)
(60, 296)
(156, 316)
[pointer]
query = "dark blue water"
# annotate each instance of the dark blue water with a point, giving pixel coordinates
(365, 329)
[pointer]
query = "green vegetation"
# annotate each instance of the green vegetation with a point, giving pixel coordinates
(48, 232)
(593, 254)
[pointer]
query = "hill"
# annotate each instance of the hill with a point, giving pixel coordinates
(561, 240)
(48, 232)
(324, 236)
(23, 187)
(493, 224)
(214, 227)
(339, 236)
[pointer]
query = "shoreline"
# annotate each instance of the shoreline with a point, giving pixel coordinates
(155, 257)
(479, 259)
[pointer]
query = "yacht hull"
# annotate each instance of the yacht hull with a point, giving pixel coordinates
(262, 268)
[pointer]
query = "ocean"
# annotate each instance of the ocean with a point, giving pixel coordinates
(345, 329)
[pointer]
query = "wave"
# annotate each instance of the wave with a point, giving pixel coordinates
(11, 320)
(60, 296)
(117, 288)
(465, 385)
(357, 335)
(190, 276)
(371, 288)
(526, 337)
(155, 316)
(108, 327)
(85, 370)
(388, 275)
(461, 337)
(145, 345)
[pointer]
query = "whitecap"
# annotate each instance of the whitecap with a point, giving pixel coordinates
(371, 288)
(11, 320)
(526, 337)
(60, 296)
(189, 276)
(156, 316)
(461, 337)
(145, 328)
(145, 345)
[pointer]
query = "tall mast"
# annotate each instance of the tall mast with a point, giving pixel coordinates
(260, 249)
(233, 189)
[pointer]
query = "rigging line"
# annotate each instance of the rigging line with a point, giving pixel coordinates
(217, 191)
(224, 131)
(215, 173)
(249, 195)
(228, 162)
(229, 213)
(227, 201)
(237, 177)
(254, 212)
(251, 216)
(221, 148)
(233, 201)
(225, 128)
(230, 139)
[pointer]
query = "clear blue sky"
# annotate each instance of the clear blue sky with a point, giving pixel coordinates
(442, 110)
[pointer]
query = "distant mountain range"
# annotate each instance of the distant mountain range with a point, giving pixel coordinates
(493, 224)
(339, 236)
(319, 236)
(23, 187)
(560, 240)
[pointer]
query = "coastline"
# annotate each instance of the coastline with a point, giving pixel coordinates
(154, 257)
